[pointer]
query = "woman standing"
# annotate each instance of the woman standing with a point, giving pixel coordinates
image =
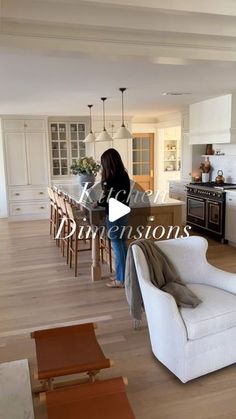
(115, 184)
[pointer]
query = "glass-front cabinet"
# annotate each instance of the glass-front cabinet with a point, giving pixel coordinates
(77, 136)
(66, 143)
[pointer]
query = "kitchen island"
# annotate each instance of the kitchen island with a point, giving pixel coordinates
(155, 217)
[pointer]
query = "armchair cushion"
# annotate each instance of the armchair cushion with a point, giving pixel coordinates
(216, 313)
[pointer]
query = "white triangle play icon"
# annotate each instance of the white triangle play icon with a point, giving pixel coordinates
(117, 209)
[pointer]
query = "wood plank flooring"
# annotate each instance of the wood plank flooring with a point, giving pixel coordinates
(38, 290)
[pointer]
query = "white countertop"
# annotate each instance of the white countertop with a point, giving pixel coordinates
(231, 191)
(137, 200)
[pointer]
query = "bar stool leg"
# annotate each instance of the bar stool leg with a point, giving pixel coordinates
(110, 255)
(51, 218)
(76, 252)
(92, 375)
(70, 250)
(50, 384)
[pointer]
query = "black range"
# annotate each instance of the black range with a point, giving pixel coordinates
(206, 207)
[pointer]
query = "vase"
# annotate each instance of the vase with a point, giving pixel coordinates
(86, 178)
(205, 177)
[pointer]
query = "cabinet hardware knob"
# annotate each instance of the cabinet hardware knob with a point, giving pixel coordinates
(41, 193)
(230, 199)
(17, 194)
(17, 209)
(42, 207)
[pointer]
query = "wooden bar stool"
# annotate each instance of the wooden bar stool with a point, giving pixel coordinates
(75, 225)
(53, 210)
(105, 246)
(65, 228)
(59, 214)
(101, 400)
(68, 350)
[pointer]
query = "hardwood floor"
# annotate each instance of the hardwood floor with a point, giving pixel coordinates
(37, 290)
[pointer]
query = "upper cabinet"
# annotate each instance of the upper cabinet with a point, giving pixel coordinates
(24, 125)
(26, 152)
(213, 121)
(16, 158)
(67, 145)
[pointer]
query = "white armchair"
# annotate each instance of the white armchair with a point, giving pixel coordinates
(190, 342)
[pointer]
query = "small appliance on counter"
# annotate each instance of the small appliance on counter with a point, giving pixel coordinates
(220, 178)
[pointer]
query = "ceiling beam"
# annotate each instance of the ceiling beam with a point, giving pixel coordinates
(213, 7)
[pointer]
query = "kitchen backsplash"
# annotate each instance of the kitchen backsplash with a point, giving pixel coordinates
(227, 163)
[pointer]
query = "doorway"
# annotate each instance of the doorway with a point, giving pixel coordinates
(143, 160)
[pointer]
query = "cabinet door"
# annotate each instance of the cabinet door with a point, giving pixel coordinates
(76, 138)
(16, 159)
(187, 150)
(34, 125)
(13, 125)
(59, 149)
(37, 158)
(230, 226)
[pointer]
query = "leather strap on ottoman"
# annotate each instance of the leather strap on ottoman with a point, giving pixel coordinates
(100, 400)
(68, 350)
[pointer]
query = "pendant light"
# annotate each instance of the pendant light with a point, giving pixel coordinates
(91, 136)
(104, 135)
(123, 132)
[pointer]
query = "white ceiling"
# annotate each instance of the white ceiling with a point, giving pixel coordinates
(36, 83)
(46, 69)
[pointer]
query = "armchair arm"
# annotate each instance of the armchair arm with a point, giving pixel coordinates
(165, 323)
(220, 279)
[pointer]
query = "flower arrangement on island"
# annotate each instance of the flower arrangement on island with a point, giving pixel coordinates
(85, 165)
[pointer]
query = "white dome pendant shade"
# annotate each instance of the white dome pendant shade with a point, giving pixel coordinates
(104, 135)
(91, 136)
(123, 133)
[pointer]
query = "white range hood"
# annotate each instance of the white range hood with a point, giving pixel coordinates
(213, 121)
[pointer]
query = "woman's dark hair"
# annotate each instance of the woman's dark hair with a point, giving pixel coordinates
(112, 164)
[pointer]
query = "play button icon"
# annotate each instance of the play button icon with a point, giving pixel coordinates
(117, 209)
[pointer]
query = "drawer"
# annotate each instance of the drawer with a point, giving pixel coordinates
(29, 208)
(17, 194)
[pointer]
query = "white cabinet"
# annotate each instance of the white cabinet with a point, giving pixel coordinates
(26, 158)
(26, 161)
(213, 120)
(67, 145)
(16, 159)
(230, 219)
(36, 152)
(28, 125)
(187, 150)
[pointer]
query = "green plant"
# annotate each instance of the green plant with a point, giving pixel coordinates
(85, 165)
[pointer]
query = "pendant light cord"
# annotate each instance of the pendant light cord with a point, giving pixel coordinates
(123, 118)
(104, 120)
(90, 112)
(122, 90)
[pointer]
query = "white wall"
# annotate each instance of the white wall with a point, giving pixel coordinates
(227, 163)
(3, 199)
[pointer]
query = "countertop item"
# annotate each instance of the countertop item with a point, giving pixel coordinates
(220, 178)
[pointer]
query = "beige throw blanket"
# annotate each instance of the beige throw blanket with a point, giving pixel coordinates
(162, 274)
